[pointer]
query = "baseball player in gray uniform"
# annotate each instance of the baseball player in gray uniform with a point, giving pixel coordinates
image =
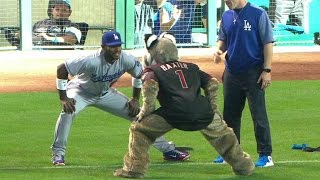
(92, 86)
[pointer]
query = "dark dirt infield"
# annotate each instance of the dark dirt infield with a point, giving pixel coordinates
(39, 75)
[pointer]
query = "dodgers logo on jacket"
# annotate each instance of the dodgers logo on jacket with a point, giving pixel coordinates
(247, 26)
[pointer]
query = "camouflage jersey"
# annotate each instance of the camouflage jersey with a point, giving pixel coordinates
(182, 104)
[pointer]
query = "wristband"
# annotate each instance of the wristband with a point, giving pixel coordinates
(61, 84)
(55, 40)
(58, 40)
(137, 83)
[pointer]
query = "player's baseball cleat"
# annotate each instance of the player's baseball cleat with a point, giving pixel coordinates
(127, 174)
(219, 160)
(58, 160)
(176, 155)
(264, 161)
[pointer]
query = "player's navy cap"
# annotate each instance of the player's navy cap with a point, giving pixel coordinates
(111, 38)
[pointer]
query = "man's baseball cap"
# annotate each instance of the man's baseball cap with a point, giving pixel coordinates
(65, 2)
(111, 38)
(52, 3)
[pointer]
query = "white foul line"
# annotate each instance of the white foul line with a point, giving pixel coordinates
(152, 164)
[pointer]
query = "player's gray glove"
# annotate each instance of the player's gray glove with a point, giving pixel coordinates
(134, 107)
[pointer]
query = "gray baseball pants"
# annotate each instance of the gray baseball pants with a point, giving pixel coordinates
(113, 102)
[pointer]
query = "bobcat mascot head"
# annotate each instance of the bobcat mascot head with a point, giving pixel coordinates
(160, 48)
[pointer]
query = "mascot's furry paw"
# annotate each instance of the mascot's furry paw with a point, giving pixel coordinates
(244, 166)
(150, 91)
(127, 174)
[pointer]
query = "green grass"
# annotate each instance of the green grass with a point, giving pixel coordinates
(98, 140)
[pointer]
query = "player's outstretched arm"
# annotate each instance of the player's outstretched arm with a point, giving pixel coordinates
(61, 82)
(134, 105)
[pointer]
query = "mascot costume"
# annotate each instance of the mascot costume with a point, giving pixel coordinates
(177, 86)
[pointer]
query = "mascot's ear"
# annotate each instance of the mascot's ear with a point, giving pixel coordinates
(169, 36)
(150, 40)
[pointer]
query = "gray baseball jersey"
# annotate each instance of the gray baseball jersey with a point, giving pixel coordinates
(92, 87)
(95, 76)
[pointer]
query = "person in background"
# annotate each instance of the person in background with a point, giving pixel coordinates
(143, 21)
(289, 12)
(182, 29)
(246, 36)
(316, 37)
(92, 86)
(201, 20)
(56, 30)
(176, 17)
(204, 10)
(165, 16)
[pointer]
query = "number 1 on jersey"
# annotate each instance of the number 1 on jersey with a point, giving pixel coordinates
(182, 79)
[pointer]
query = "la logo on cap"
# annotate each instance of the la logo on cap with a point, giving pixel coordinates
(115, 37)
(111, 38)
